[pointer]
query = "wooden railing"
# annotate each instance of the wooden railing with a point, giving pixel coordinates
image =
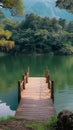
(50, 83)
(22, 83)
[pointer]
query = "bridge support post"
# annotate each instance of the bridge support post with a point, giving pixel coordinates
(28, 71)
(19, 91)
(23, 78)
(52, 90)
(49, 84)
(47, 75)
(26, 77)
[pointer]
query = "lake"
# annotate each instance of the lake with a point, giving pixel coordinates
(13, 67)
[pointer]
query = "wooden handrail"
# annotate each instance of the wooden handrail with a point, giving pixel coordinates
(52, 90)
(28, 71)
(47, 75)
(19, 91)
(21, 84)
(50, 83)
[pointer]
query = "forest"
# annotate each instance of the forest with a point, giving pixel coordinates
(36, 35)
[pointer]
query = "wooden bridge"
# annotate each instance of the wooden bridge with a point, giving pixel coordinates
(35, 97)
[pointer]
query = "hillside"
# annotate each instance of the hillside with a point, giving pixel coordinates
(36, 35)
(46, 8)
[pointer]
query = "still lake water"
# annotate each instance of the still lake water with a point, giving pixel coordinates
(12, 68)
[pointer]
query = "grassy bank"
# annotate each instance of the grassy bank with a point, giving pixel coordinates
(12, 123)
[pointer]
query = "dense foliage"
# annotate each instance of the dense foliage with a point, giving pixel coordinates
(66, 4)
(65, 120)
(5, 43)
(15, 6)
(38, 35)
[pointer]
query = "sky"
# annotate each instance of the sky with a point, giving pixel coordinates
(52, 10)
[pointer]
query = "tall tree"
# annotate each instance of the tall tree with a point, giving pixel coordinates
(15, 6)
(5, 43)
(67, 4)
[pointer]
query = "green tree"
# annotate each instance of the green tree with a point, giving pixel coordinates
(15, 6)
(62, 22)
(5, 43)
(41, 40)
(31, 21)
(70, 27)
(66, 4)
(38, 35)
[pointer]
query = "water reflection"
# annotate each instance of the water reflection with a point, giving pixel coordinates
(5, 110)
(8, 103)
(61, 71)
(64, 99)
(10, 98)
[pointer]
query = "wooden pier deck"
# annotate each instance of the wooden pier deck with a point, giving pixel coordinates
(36, 102)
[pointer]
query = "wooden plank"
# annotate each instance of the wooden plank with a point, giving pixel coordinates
(36, 103)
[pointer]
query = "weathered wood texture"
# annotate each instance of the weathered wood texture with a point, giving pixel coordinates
(36, 102)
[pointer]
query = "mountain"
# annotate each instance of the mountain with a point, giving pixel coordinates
(42, 8)
(39, 8)
(46, 8)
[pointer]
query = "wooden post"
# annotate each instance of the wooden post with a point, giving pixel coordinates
(49, 84)
(23, 85)
(47, 78)
(27, 77)
(28, 71)
(23, 78)
(52, 90)
(26, 74)
(46, 74)
(19, 91)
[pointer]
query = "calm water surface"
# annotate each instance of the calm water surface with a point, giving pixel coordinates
(12, 68)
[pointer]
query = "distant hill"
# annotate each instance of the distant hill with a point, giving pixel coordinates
(42, 8)
(39, 8)
(46, 8)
